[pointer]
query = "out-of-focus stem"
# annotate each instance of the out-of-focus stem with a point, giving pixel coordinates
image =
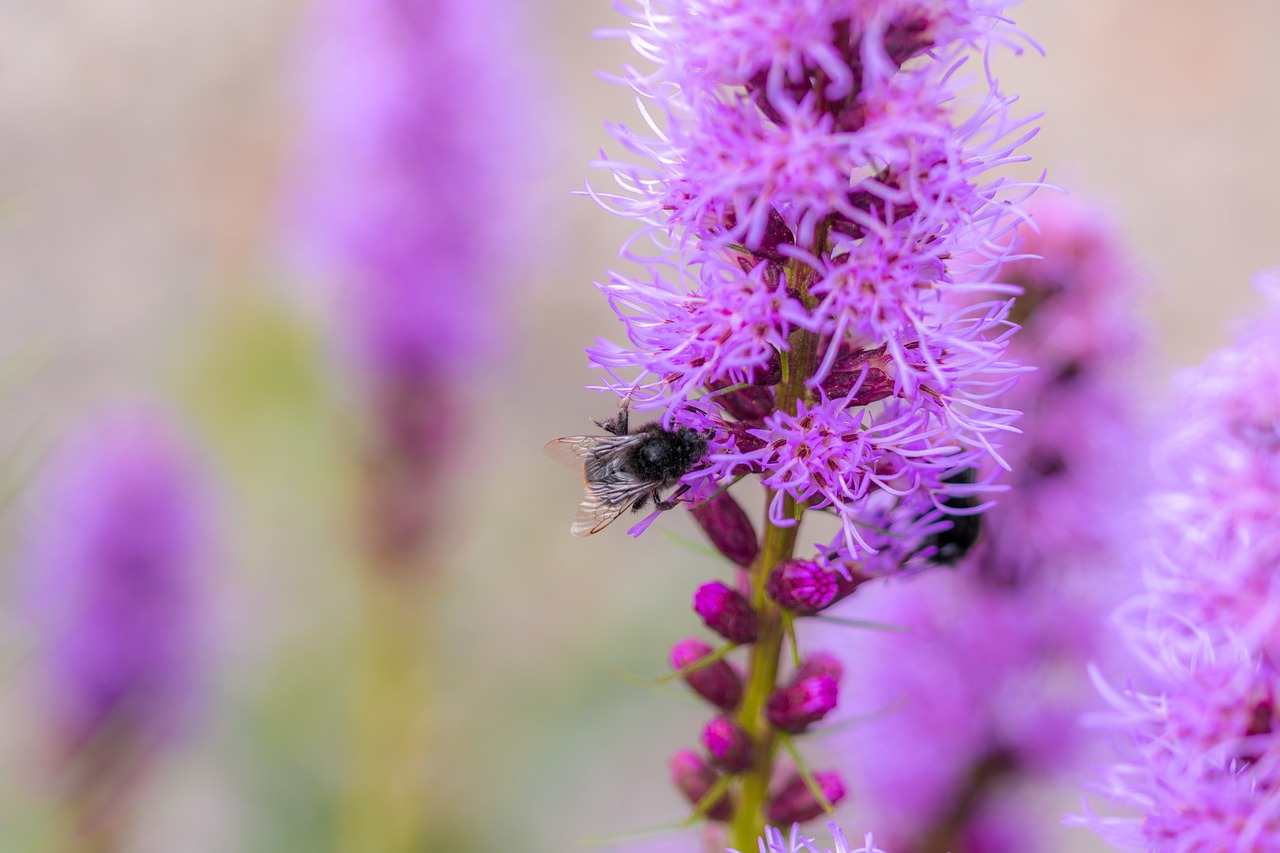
(946, 833)
(101, 784)
(387, 792)
(388, 788)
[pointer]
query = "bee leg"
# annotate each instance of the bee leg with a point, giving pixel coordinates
(644, 499)
(672, 499)
(617, 425)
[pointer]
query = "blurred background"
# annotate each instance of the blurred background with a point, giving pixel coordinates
(145, 151)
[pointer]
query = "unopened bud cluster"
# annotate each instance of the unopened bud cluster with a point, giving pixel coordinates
(801, 587)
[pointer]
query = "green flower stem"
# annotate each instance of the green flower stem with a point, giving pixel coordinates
(779, 545)
(749, 820)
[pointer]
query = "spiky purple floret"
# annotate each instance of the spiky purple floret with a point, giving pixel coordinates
(116, 541)
(1205, 760)
(827, 456)
(726, 327)
(775, 842)
(853, 211)
(411, 149)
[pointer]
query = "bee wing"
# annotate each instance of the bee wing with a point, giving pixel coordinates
(572, 450)
(594, 516)
(609, 491)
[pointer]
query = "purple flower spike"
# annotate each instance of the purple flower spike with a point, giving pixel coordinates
(728, 528)
(113, 556)
(795, 803)
(726, 612)
(728, 743)
(823, 203)
(694, 778)
(805, 701)
(718, 683)
(1035, 574)
(1202, 766)
(806, 588)
(414, 144)
(814, 200)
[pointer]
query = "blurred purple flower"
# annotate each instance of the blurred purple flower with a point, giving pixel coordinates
(407, 201)
(850, 212)
(992, 669)
(407, 172)
(1203, 763)
(114, 551)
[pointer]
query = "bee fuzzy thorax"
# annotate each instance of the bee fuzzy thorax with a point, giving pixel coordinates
(664, 456)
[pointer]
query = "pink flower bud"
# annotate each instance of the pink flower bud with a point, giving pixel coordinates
(726, 612)
(718, 683)
(694, 778)
(729, 745)
(805, 588)
(819, 663)
(795, 803)
(805, 701)
(728, 528)
(865, 370)
(752, 403)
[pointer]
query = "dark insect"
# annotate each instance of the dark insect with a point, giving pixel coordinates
(953, 543)
(626, 470)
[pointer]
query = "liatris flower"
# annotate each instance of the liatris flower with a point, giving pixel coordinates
(114, 553)
(982, 695)
(765, 240)
(1203, 764)
(407, 173)
(408, 202)
(817, 199)
(407, 183)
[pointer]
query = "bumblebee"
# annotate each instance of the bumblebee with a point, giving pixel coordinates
(627, 470)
